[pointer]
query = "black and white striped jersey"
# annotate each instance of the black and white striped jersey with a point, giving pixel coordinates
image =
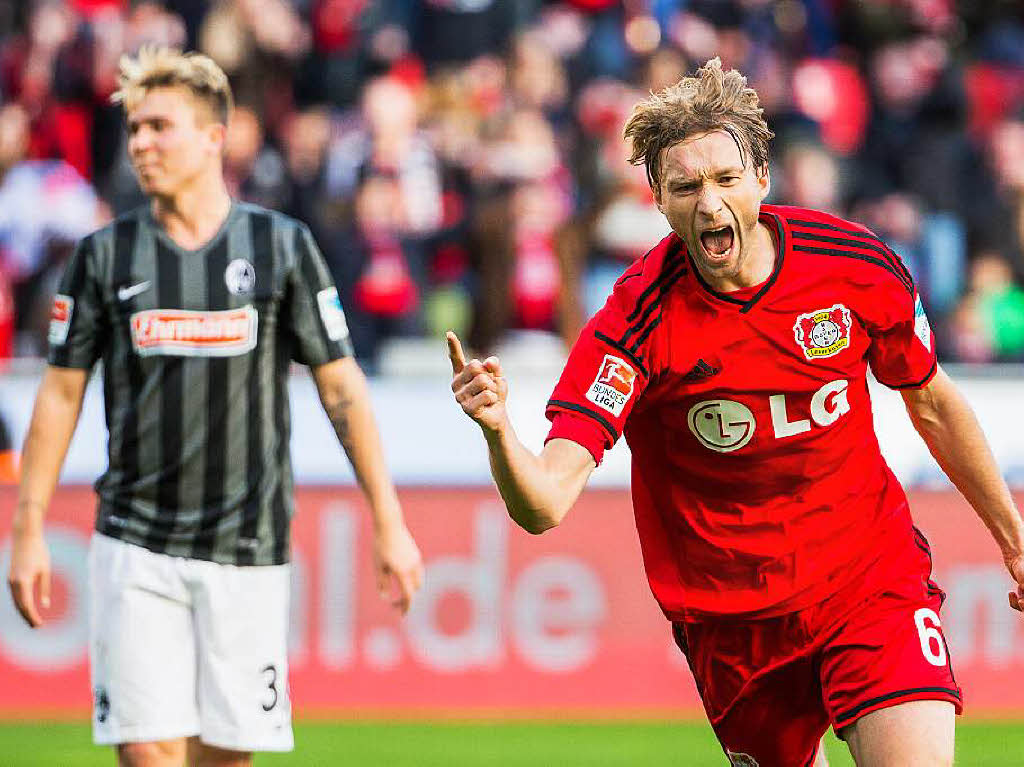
(196, 347)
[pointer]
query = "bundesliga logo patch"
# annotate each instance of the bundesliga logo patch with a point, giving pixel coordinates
(60, 318)
(331, 313)
(922, 329)
(182, 333)
(823, 332)
(613, 386)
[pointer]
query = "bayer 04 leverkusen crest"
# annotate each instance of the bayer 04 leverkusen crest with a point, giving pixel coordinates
(823, 332)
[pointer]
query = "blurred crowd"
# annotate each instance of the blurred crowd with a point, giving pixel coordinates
(461, 163)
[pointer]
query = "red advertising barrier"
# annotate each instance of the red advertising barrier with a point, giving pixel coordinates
(505, 620)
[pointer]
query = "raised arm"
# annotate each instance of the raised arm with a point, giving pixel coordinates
(948, 426)
(346, 400)
(58, 404)
(538, 490)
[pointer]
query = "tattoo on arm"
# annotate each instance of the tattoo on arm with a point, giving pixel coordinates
(338, 412)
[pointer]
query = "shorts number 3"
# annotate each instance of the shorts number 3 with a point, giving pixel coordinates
(271, 670)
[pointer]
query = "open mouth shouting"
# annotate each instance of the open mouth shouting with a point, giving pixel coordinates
(718, 243)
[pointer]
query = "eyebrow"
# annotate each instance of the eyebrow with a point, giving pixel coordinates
(684, 180)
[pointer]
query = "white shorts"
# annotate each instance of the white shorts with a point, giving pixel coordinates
(182, 647)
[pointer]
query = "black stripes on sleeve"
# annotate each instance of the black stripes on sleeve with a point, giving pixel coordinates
(647, 313)
(913, 384)
(603, 422)
(623, 351)
(832, 242)
(311, 280)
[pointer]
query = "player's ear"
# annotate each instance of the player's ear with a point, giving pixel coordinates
(764, 180)
(217, 134)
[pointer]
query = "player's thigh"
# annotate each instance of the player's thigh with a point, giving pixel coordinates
(762, 695)
(920, 732)
(141, 646)
(886, 653)
(241, 618)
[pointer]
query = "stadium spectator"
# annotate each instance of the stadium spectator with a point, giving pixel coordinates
(196, 303)
(1006, 226)
(989, 323)
(909, 99)
(8, 455)
(776, 539)
(44, 207)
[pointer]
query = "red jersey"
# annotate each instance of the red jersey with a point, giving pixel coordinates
(757, 481)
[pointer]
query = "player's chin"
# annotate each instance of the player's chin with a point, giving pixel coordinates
(148, 185)
(719, 263)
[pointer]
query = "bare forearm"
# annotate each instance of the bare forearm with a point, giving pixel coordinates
(538, 490)
(537, 493)
(955, 439)
(353, 422)
(53, 423)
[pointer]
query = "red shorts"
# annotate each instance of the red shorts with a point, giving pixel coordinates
(771, 687)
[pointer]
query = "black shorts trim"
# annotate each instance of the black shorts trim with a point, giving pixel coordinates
(600, 419)
(848, 715)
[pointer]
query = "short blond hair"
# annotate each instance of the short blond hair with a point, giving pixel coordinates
(164, 67)
(708, 101)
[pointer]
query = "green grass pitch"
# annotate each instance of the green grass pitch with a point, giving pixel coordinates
(489, 744)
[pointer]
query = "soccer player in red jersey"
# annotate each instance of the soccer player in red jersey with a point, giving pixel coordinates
(733, 357)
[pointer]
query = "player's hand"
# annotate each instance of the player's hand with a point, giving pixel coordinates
(30, 567)
(398, 566)
(1016, 567)
(479, 387)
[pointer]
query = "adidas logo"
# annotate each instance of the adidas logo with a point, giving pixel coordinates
(701, 371)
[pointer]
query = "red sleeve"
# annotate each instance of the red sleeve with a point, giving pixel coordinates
(902, 352)
(604, 377)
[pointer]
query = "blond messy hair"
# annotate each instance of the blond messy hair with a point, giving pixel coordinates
(710, 100)
(164, 67)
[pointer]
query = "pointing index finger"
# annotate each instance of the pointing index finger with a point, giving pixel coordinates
(455, 355)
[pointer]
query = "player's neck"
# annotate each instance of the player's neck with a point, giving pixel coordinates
(757, 266)
(193, 216)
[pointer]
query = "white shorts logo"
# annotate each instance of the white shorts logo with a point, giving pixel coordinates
(721, 424)
(60, 318)
(613, 385)
(331, 313)
(922, 329)
(182, 333)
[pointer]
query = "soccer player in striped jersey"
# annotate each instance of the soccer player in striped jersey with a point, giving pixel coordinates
(733, 357)
(196, 304)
